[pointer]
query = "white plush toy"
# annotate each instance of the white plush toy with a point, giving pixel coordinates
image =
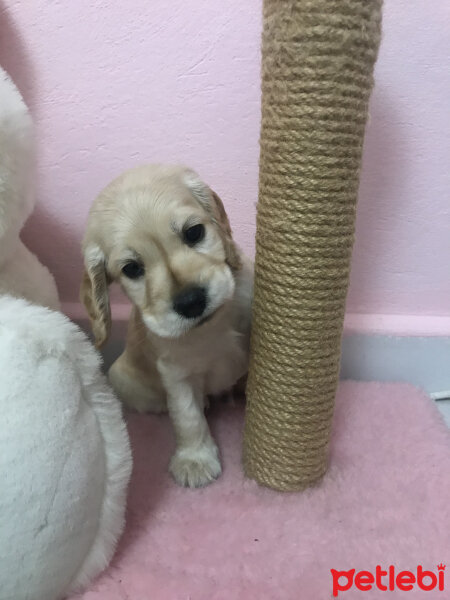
(21, 274)
(65, 458)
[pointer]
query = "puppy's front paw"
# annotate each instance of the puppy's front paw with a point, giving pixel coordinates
(195, 467)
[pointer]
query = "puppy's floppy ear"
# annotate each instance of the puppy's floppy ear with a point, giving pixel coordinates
(231, 250)
(215, 208)
(94, 294)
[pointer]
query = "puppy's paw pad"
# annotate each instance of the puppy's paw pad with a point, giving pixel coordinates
(195, 468)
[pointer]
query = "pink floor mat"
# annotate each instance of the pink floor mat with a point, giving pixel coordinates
(384, 501)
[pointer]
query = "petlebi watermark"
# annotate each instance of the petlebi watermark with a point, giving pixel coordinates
(388, 580)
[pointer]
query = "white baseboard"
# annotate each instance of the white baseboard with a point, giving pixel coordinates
(375, 347)
(422, 361)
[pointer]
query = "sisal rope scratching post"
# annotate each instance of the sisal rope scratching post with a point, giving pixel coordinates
(317, 74)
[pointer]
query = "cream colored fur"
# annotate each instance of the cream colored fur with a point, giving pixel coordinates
(170, 362)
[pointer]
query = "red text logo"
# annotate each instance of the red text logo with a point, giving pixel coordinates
(388, 580)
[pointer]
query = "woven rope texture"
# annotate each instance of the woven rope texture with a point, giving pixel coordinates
(317, 73)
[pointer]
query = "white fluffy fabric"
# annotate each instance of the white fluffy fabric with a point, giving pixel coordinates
(21, 274)
(65, 459)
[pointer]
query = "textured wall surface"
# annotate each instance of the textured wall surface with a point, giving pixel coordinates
(115, 84)
(401, 262)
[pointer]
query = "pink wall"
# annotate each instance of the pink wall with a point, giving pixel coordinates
(402, 255)
(113, 84)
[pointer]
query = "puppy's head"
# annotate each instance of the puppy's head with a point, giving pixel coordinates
(164, 236)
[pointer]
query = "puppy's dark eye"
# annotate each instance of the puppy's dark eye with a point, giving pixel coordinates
(194, 234)
(133, 269)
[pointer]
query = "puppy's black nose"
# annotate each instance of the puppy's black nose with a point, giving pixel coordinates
(191, 302)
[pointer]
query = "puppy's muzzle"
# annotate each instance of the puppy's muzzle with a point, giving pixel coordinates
(190, 303)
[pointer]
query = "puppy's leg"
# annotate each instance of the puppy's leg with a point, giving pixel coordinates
(196, 460)
(137, 390)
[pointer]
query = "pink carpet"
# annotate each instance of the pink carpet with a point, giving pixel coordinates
(385, 500)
